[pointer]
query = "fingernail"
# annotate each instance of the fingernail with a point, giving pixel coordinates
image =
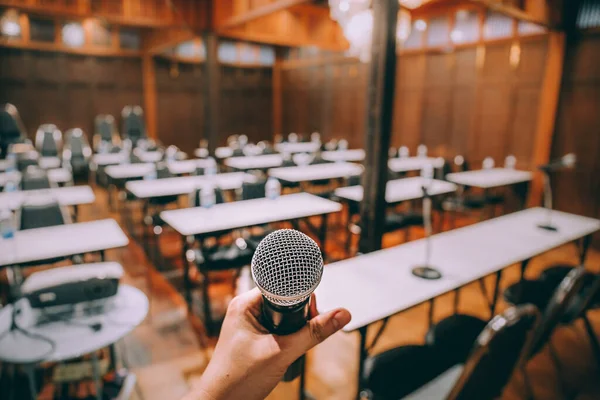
(340, 319)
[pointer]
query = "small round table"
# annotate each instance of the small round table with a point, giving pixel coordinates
(70, 338)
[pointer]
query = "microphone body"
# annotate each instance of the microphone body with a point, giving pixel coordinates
(287, 267)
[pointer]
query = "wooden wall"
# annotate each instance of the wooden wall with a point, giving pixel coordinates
(443, 99)
(66, 89)
(578, 130)
(69, 90)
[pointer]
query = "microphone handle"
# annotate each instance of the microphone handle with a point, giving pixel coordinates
(284, 321)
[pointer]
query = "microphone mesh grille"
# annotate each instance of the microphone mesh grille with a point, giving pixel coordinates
(287, 267)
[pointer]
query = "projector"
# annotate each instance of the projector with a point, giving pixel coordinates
(86, 284)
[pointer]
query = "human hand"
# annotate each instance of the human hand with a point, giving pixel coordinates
(249, 361)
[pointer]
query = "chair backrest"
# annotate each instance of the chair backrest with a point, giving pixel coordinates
(27, 159)
(105, 126)
(76, 144)
(195, 197)
(253, 190)
(35, 178)
(40, 213)
(564, 297)
(497, 351)
(133, 123)
(48, 140)
(11, 128)
(162, 171)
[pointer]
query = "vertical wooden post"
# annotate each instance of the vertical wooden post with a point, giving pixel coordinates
(277, 94)
(550, 94)
(211, 91)
(380, 105)
(547, 111)
(149, 89)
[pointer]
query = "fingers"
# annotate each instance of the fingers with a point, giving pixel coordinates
(313, 312)
(247, 301)
(316, 331)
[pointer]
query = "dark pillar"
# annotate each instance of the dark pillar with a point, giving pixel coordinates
(212, 83)
(380, 104)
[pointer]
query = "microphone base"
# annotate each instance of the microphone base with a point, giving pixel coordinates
(426, 272)
(548, 227)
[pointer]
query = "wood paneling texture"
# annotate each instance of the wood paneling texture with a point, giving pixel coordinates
(442, 100)
(67, 90)
(578, 130)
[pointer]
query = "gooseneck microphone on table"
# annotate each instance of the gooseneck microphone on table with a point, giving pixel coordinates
(426, 271)
(287, 267)
(567, 161)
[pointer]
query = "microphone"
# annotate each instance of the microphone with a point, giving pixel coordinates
(426, 270)
(287, 267)
(565, 162)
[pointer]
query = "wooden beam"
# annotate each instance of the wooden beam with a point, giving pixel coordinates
(158, 40)
(540, 18)
(59, 47)
(258, 12)
(277, 94)
(212, 86)
(149, 91)
(380, 105)
(547, 111)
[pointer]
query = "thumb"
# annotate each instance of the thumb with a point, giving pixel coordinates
(316, 331)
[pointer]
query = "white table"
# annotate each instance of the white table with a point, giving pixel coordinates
(243, 214)
(316, 172)
(146, 189)
(186, 166)
(201, 153)
(378, 285)
(36, 245)
(490, 178)
(356, 155)
(301, 147)
(104, 159)
(149, 156)
(408, 164)
(57, 175)
(400, 190)
(129, 171)
(255, 162)
(49, 162)
(65, 196)
(74, 338)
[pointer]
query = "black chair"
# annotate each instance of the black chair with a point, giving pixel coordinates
(219, 258)
(253, 190)
(425, 372)
(11, 128)
(48, 140)
(77, 152)
(27, 158)
(133, 124)
(570, 301)
(35, 178)
(41, 212)
(105, 133)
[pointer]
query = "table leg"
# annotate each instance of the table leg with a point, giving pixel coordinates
(102, 255)
(583, 248)
(113, 357)
(186, 273)
(75, 212)
(362, 355)
(30, 370)
(302, 386)
(524, 264)
(496, 291)
(431, 310)
(96, 374)
(323, 233)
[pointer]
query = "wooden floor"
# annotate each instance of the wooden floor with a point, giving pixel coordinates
(169, 350)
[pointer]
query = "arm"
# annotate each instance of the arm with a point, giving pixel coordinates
(248, 361)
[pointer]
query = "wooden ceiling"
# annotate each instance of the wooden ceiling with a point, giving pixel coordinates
(278, 22)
